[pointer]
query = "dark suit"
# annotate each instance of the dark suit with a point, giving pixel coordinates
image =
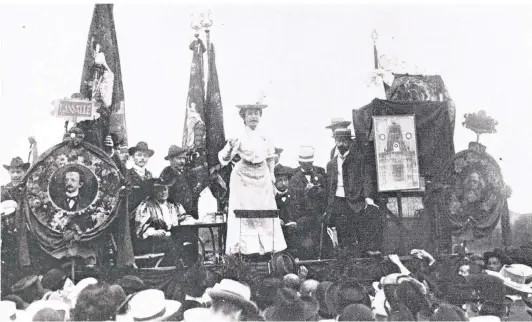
(333, 151)
(307, 208)
(81, 201)
(140, 189)
(353, 222)
(181, 192)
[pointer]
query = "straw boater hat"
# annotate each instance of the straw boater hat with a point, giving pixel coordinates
(8, 207)
(306, 154)
(514, 276)
(343, 132)
(337, 123)
(234, 292)
(141, 146)
(174, 151)
(257, 105)
(150, 305)
(9, 312)
(17, 162)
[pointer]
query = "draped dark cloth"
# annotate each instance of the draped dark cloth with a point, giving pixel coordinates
(433, 129)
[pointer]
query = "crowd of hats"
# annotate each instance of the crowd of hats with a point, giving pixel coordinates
(284, 296)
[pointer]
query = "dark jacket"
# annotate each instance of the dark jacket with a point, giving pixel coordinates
(81, 202)
(359, 174)
(312, 202)
(181, 192)
(139, 190)
(283, 202)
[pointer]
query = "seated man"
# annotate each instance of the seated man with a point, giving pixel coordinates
(155, 220)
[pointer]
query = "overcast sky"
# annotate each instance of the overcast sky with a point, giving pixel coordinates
(313, 63)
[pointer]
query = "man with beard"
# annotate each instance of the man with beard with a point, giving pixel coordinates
(181, 191)
(337, 123)
(473, 187)
(351, 207)
(308, 186)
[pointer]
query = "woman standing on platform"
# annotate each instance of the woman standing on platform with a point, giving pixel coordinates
(251, 188)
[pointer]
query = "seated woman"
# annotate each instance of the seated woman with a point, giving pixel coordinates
(155, 220)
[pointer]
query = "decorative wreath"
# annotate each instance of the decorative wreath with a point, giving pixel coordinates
(474, 193)
(55, 224)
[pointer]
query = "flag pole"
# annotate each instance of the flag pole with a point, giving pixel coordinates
(206, 23)
(375, 36)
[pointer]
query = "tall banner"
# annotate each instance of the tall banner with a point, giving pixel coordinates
(194, 134)
(101, 80)
(214, 114)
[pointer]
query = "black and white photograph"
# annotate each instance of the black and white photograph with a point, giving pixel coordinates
(265, 161)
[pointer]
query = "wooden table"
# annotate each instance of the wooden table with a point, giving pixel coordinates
(222, 229)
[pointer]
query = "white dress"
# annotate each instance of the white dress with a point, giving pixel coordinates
(251, 188)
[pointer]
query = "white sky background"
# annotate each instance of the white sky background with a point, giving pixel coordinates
(313, 63)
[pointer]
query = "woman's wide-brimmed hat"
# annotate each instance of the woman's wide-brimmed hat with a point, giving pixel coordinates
(141, 146)
(150, 305)
(514, 276)
(174, 151)
(234, 292)
(17, 162)
(252, 106)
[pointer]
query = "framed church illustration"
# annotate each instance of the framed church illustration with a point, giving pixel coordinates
(396, 152)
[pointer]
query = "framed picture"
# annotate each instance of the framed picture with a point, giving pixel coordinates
(396, 152)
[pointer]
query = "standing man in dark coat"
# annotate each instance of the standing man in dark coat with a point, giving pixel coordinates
(309, 190)
(337, 123)
(138, 176)
(352, 191)
(181, 192)
(11, 192)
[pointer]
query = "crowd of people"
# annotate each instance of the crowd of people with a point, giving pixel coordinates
(319, 210)
(467, 288)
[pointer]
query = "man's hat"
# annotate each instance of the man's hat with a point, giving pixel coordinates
(343, 132)
(54, 279)
(130, 284)
(282, 264)
(234, 292)
(290, 307)
(340, 295)
(306, 154)
(337, 123)
(150, 305)
(514, 276)
(17, 162)
(174, 151)
(24, 283)
(497, 253)
(141, 146)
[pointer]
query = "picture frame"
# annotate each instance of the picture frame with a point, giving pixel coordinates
(396, 153)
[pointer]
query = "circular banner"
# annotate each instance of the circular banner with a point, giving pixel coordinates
(474, 193)
(71, 193)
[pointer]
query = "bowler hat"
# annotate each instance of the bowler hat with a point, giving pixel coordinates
(340, 295)
(337, 123)
(174, 151)
(17, 162)
(54, 279)
(141, 146)
(131, 284)
(24, 283)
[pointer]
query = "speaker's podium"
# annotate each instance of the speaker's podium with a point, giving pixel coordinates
(257, 214)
